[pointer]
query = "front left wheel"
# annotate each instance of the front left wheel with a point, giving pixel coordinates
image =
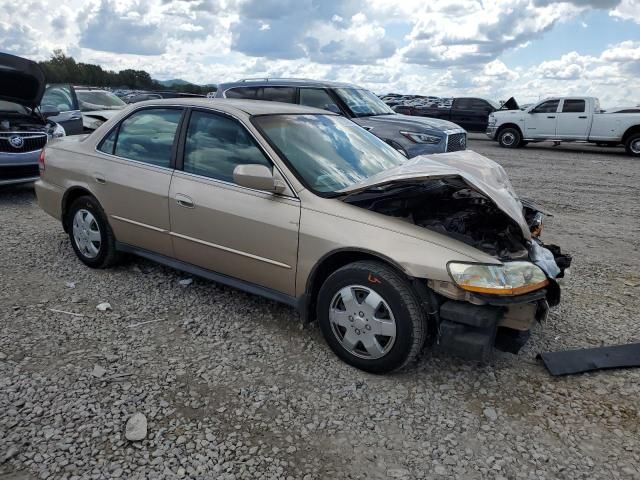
(90, 234)
(371, 317)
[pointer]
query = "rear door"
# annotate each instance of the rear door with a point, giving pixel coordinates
(573, 120)
(133, 183)
(216, 224)
(541, 121)
(62, 98)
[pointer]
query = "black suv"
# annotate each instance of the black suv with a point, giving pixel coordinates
(410, 135)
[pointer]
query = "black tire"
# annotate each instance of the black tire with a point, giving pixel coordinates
(107, 255)
(632, 145)
(410, 319)
(510, 138)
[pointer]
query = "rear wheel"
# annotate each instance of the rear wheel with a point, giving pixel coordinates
(632, 145)
(371, 317)
(90, 234)
(510, 138)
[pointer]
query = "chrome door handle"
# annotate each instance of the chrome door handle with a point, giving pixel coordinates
(184, 201)
(100, 179)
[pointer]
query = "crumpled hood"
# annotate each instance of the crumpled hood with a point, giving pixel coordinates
(478, 171)
(22, 81)
(408, 122)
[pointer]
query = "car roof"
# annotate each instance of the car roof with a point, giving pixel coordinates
(250, 107)
(284, 82)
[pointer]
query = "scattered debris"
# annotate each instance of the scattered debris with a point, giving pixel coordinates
(589, 359)
(98, 371)
(136, 428)
(65, 312)
(70, 284)
(185, 282)
(104, 306)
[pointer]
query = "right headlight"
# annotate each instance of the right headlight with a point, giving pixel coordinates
(510, 278)
(421, 137)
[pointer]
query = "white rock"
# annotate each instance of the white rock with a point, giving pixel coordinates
(186, 282)
(491, 414)
(136, 428)
(104, 306)
(98, 371)
(70, 284)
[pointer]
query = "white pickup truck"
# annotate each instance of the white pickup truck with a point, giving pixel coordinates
(565, 119)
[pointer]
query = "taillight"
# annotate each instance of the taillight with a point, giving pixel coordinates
(41, 161)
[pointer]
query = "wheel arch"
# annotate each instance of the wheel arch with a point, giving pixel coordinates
(508, 125)
(630, 131)
(329, 263)
(68, 198)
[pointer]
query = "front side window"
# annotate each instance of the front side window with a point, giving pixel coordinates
(363, 103)
(318, 98)
(573, 106)
(216, 145)
(148, 135)
(550, 106)
(328, 152)
(58, 96)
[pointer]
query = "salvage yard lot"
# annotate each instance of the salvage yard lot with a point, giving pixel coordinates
(233, 387)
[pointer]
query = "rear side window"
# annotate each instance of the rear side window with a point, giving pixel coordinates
(318, 98)
(242, 92)
(147, 136)
(216, 145)
(479, 104)
(279, 94)
(575, 106)
(550, 106)
(463, 103)
(109, 142)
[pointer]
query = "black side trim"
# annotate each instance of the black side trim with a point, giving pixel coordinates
(214, 276)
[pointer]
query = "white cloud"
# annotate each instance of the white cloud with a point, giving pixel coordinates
(446, 47)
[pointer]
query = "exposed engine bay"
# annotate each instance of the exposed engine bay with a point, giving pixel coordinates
(16, 122)
(450, 206)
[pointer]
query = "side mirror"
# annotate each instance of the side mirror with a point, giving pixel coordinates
(49, 111)
(257, 177)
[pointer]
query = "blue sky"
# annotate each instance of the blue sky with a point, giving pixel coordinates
(491, 48)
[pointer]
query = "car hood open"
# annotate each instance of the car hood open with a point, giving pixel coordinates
(480, 173)
(22, 81)
(510, 104)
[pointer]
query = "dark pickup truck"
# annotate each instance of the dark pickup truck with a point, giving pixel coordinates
(472, 114)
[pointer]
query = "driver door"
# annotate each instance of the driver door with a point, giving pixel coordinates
(541, 121)
(62, 98)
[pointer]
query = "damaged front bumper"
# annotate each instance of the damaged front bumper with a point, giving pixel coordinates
(471, 325)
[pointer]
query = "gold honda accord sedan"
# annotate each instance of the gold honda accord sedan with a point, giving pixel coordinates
(307, 208)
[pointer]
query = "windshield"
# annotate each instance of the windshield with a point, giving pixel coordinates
(363, 103)
(10, 107)
(328, 152)
(98, 100)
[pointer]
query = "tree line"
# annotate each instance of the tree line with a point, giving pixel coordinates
(63, 69)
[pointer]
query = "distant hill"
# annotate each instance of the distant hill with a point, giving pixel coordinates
(173, 82)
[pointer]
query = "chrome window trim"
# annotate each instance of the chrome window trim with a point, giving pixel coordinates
(140, 224)
(197, 107)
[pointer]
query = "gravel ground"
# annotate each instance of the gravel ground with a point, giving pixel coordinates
(232, 387)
